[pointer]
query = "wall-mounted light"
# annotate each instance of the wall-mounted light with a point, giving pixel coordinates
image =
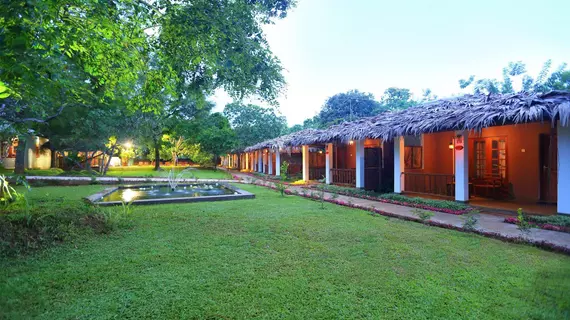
(451, 145)
(351, 142)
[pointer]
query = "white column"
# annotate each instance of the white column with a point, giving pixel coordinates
(359, 164)
(461, 166)
(260, 161)
(278, 162)
(263, 160)
(305, 152)
(328, 163)
(270, 161)
(398, 164)
(563, 169)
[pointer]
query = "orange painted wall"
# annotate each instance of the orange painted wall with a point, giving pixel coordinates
(523, 170)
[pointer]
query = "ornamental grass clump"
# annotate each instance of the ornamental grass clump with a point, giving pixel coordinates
(470, 220)
(424, 215)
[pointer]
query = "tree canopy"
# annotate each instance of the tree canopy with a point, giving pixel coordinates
(514, 72)
(253, 124)
(130, 60)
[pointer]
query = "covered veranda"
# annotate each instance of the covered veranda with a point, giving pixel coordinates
(504, 157)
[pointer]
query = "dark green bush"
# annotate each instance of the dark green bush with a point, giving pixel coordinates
(49, 222)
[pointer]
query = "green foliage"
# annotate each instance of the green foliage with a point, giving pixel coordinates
(216, 136)
(470, 220)
(545, 81)
(442, 204)
(523, 225)
(398, 98)
(424, 215)
(347, 106)
(558, 220)
(253, 124)
(47, 223)
(280, 185)
(321, 195)
(8, 194)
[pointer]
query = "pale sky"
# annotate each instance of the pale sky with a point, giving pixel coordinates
(332, 46)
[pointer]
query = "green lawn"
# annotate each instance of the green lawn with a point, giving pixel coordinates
(274, 257)
(145, 171)
(135, 171)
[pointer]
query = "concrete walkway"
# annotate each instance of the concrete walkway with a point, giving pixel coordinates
(487, 222)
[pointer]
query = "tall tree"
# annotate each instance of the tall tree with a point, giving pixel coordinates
(140, 55)
(397, 99)
(216, 136)
(253, 124)
(347, 107)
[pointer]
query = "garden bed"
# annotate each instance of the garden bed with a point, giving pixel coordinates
(552, 223)
(444, 206)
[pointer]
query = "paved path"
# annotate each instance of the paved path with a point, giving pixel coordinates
(487, 222)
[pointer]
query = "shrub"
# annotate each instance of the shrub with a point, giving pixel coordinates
(281, 186)
(94, 180)
(470, 220)
(424, 215)
(523, 225)
(47, 223)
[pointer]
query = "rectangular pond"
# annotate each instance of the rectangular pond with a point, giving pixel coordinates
(161, 193)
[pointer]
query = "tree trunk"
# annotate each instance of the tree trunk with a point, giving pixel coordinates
(53, 157)
(20, 165)
(87, 164)
(156, 155)
(106, 166)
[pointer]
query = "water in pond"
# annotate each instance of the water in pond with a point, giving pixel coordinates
(129, 194)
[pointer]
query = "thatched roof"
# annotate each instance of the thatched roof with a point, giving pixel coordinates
(468, 112)
(289, 140)
(472, 112)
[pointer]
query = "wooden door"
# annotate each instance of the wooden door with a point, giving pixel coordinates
(548, 161)
(372, 168)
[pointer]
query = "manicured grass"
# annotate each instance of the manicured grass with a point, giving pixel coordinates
(274, 257)
(134, 171)
(147, 171)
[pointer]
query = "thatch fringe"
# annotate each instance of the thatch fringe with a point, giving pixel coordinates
(468, 112)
